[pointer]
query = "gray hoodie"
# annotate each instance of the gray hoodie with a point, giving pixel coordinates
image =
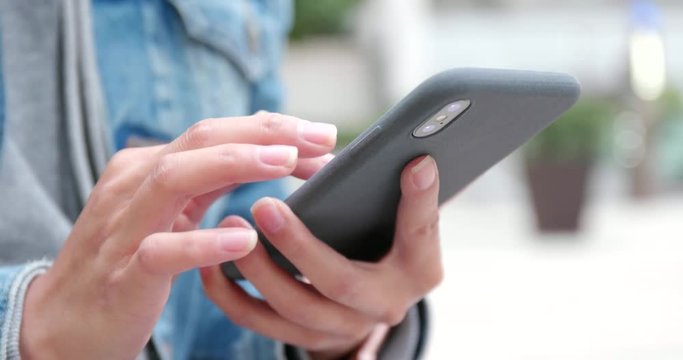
(53, 145)
(53, 108)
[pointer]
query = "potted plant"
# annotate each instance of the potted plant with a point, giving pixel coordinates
(558, 163)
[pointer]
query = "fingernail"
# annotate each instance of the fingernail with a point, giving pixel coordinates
(268, 216)
(237, 240)
(319, 133)
(424, 173)
(278, 155)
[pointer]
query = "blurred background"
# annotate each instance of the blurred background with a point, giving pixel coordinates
(571, 248)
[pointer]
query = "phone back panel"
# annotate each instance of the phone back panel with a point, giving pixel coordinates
(351, 204)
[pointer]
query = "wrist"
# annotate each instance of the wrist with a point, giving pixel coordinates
(33, 337)
(15, 308)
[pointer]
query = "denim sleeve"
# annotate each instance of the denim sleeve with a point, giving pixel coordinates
(14, 281)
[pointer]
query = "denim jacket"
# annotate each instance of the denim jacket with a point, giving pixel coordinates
(165, 64)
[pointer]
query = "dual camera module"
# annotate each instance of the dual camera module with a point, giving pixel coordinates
(442, 118)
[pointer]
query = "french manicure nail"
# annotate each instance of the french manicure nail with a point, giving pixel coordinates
(269, 217)
(237, 240)
(319, 133)
(424, 173)
(278, 155)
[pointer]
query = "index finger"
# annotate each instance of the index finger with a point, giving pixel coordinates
(313, 139)
(179, 177)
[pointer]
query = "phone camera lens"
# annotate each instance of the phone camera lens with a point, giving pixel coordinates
(441, 119)
(428, 129)
(454, 108)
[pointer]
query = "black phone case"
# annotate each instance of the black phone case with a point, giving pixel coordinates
(351, 203)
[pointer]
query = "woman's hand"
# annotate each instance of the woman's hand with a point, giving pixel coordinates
(108, 286)
(346, 299)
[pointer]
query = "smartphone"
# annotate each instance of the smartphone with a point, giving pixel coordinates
(466, 119)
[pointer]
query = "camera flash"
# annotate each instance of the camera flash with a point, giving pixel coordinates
(442, 118)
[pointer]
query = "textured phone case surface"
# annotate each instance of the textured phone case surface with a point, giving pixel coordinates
(351, 203)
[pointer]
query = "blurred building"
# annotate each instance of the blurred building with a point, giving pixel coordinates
(396, 44)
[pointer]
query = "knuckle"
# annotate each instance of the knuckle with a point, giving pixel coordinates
(108, 195)
(427, 280)
(229, 155)
(289, 241)
(344, 290)
(191, 250)
(434, 277)
(122, 157)
(116, 187)
(162, 174)
(198, 134)
(147, 253)
(108, 187)
(392, 316)
(270, 124)
(295, 246)
(428, 229)
(107, 230)
(101, 200)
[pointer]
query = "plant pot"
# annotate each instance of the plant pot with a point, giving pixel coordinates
(558, 194)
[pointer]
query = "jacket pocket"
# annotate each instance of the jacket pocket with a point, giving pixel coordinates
(249, 32)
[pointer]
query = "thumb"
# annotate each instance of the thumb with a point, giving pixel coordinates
(418, 211)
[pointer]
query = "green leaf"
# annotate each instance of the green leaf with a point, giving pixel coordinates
(577, 136)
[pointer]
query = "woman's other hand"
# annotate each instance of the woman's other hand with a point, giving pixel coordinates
(346, 300)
